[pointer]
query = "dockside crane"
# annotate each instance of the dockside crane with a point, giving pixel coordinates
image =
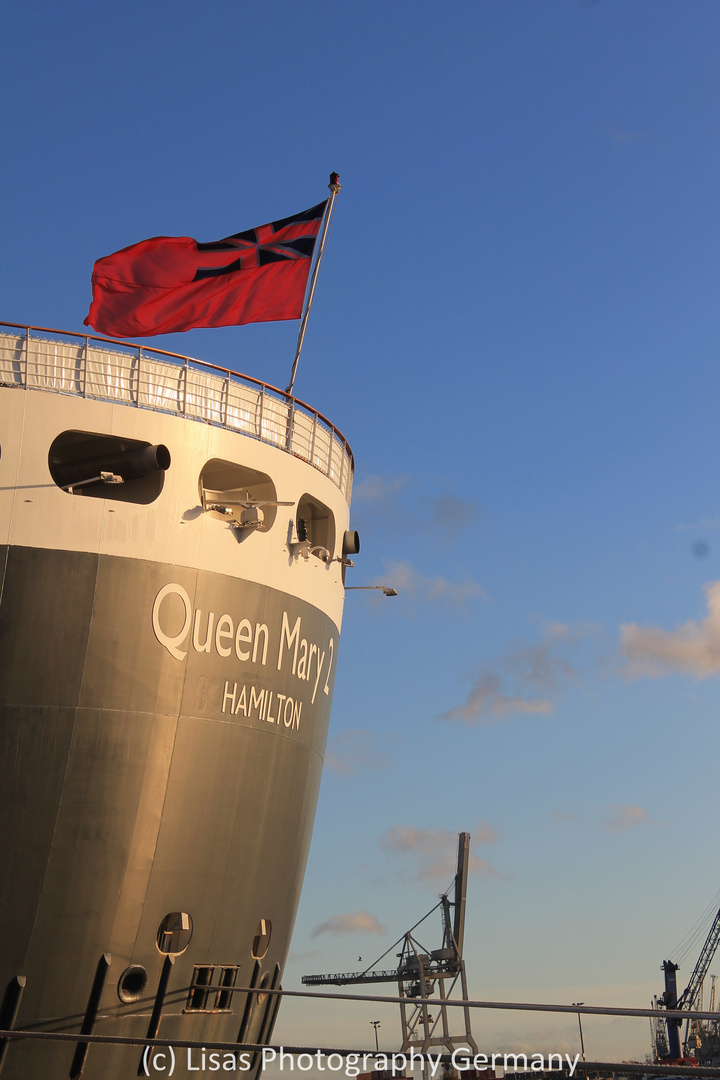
(671, 1051)
(421, 970)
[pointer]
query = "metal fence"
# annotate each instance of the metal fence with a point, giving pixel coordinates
(94, 367)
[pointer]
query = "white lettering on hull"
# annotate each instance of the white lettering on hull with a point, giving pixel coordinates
(267, 705)
(238, 638)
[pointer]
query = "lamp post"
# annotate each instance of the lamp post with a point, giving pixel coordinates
(387, 590)
(376, 1025)
(577, 1005)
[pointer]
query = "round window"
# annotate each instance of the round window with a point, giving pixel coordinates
(174, 933)
(132, 983)
(261, 940)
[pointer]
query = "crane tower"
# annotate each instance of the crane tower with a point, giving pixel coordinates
(422, 971)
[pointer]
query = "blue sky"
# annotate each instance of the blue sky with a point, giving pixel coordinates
(517, 329)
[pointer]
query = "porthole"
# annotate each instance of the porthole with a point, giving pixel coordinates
(261, 940)
(315, 523)
(174, 933)
(132, 983)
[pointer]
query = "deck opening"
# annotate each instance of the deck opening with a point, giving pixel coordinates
(100, 466)
(238, 495)
(315, 523)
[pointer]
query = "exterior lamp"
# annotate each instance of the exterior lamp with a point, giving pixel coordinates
(387, 590)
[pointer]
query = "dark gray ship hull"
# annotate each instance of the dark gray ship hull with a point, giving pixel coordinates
(160, 751)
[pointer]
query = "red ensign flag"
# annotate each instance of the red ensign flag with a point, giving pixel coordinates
(173, 283)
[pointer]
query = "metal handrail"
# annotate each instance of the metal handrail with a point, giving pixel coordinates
(278, 417)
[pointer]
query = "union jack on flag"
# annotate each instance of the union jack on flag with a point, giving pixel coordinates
(289, 238)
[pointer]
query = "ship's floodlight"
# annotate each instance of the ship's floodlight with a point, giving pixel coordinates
(387, 590)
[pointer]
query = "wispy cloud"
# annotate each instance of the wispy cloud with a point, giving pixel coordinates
(487, 703)
(544, 664)
(359, 922)
(298, 958)
(403, 577)
(398, 504)
(521, 681)
(703, 525)
(376, 488)
(692, 649)
(448, 513)
(624, 135)
(433, 852)
(615, 818)
(623, 816)
(354, 751)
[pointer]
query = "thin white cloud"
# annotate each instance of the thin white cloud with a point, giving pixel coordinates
(433, 852)
(376, 488)
(541, 666)
(398, 504)
(412, 583)
(354, 751)
(616, 818)
(487, 703)
(703, 525)
(449, 513)
(358, 922)
(521, 681)
(692, 649)
(624, 135)
(623, 816)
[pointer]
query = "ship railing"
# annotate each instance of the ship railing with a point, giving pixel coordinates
(94, 367)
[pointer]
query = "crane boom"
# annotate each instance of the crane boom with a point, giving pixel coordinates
(687, 1000)
(690, 994)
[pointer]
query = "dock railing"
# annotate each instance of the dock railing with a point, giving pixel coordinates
(87, 366)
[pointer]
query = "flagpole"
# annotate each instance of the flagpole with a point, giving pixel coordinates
(334, 186)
